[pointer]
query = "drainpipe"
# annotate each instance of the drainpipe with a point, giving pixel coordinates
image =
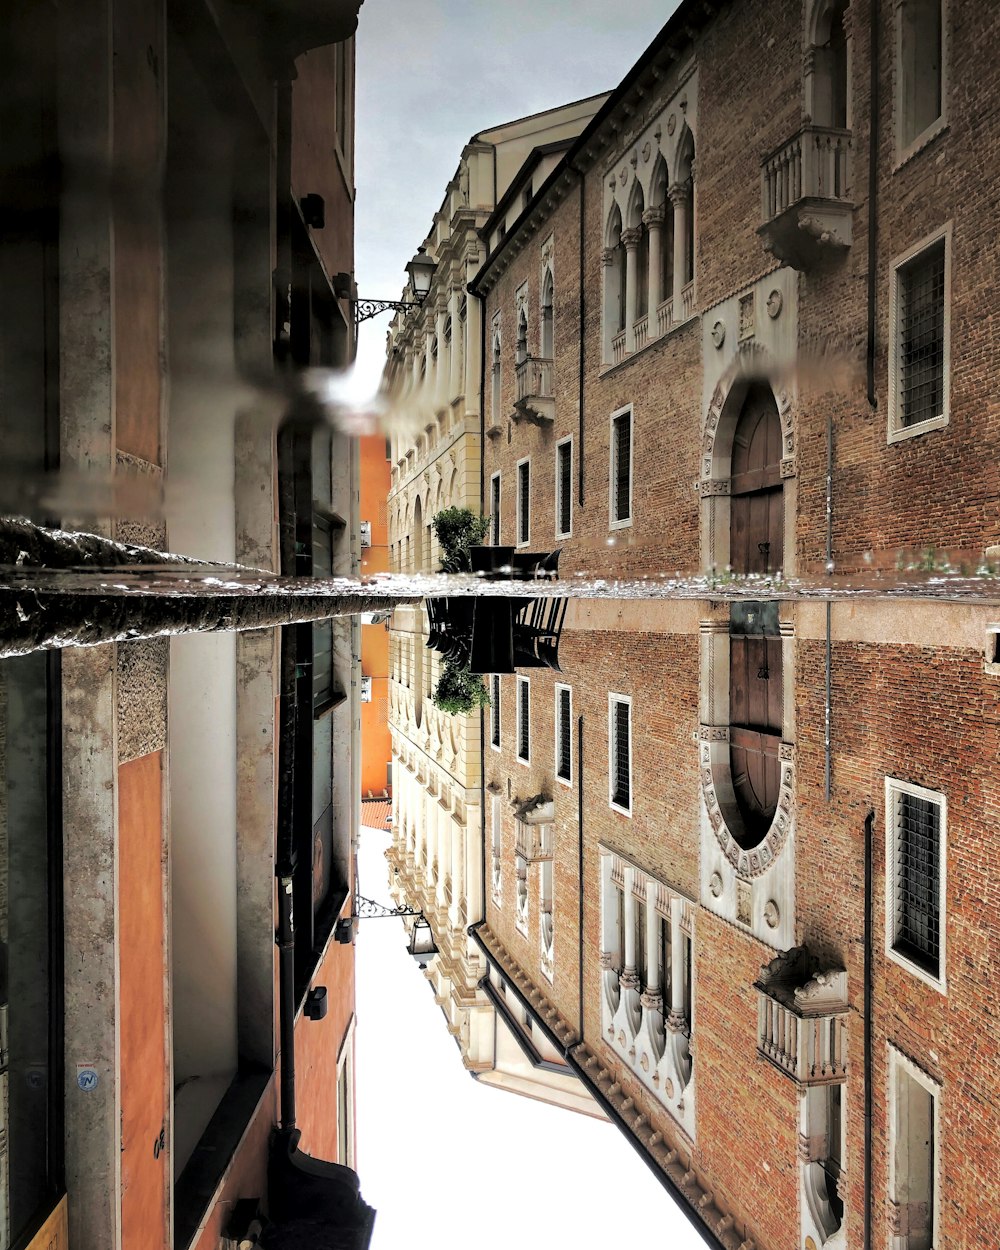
(873, 141)
(579, 819)
(482, 400)
(869, 960)
(582, 312)
(284, 870)
(829, 606)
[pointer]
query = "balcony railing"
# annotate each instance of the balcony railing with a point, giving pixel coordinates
(533, 377)
(618, 347)
(532, 842)
(664, 316)
(687, 301)
(640, 332)
(806, 194)
(802, 1019)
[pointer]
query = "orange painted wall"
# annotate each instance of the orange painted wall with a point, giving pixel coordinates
(317, 1046)
(376, 744)
(141, 900)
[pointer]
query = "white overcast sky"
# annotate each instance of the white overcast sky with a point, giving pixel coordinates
(431, 74)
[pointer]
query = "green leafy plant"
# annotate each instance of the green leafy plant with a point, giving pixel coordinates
(457, 530)
(459, 691)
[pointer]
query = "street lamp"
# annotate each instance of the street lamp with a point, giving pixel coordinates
(420, 271)
(421, 944)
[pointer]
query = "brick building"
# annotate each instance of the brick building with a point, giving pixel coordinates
(180, 179)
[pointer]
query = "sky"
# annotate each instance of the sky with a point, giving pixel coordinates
(447, 1162)
(432, 73)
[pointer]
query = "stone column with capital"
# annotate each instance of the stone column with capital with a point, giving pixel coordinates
(652, 998)
(680, 197)
(675, 1019)
(630, 238)
(610, 329)
(629, 977)
(443, 370)
(455, 361)
(653, 218)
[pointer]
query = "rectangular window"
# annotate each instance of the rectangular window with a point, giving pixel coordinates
(920, 100)
(621, 469)
(523, 720)
(342, 102)
(914, 1128)
(523, 502)
(495, 712)
(620, 752)
(564, 730)
(495, 509)
(920, 336)
(915, 885)
(564, 488)
(345, 1101)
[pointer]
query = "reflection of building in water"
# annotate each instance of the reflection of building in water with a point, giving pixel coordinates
(741, 977)
(172, 779)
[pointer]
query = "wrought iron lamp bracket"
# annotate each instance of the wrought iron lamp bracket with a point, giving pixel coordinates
(364, 309)
(368, 909)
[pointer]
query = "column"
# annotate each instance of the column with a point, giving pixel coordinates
(653, 217)
(676, 1017)
(443, 369)
(680, 197)
(455, 361)
(416, 355)
(607, 260)
(629, 978)
(430, 375)
(630, 238)
(473, 352)
(652, 998)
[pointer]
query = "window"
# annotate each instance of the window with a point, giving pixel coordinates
(546, 338)
(914, 1119)
(620, 485)
(920, 109)
(523, 502)
(564, 488)
(546, 929)
(345, 1101)
(496, 871)
(564, 733)
(342, 102)
(920, 330)
(495, 379)
(521, 345)
(620, 752)
(523, 720)
(495, 509)
(495, 712)
(915, 878)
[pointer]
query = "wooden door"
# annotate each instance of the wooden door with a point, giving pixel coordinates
(756, 534)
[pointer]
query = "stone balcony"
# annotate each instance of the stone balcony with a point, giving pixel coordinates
(806, 204)
(534, 401)
(802, 1018)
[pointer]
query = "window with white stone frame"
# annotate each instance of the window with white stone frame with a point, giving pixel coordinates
(921, 80)
(620, 753)
(523, 502)
(564, 487)
(916, 822)
(521, 885)
(564, 733)
(920, 337)
(495, 712)
(496, 376)
(345, 1100)
(495, 509)
(914, 1156)
(523, 720)
(620, 476)
(647, 934)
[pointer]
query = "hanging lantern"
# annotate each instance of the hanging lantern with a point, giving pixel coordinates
(421, 945)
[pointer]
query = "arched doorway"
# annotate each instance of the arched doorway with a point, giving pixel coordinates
(755, 657)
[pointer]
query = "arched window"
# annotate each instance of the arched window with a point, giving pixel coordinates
(636, 209)
(614, 282)
(660, 199)
(685, 177)
(546, 343)
(495, 379)
(829, 73)
(521, 344)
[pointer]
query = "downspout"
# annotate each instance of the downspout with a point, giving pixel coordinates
(873, 142)
(482, 409)
(579, 819)
(829, 606)
(582, 314)
(868, 1045)
(284, 870)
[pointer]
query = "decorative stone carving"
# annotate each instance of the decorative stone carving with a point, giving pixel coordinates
(671, 123)
(771, 914)
(719, 333)
(715, 884)
(633, 159)
(744, 897)
(747, 327)
(631, 237)
(623, 175)
(774, 303)
(646, 151)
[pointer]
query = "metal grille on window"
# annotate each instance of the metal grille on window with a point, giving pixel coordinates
(523, 497)
(495, 710)
(564, 735)
(918, 916)
(564, 451)
(523, 739)
(623, 779)
(921, 337)
(622, 467)
(495, 510)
